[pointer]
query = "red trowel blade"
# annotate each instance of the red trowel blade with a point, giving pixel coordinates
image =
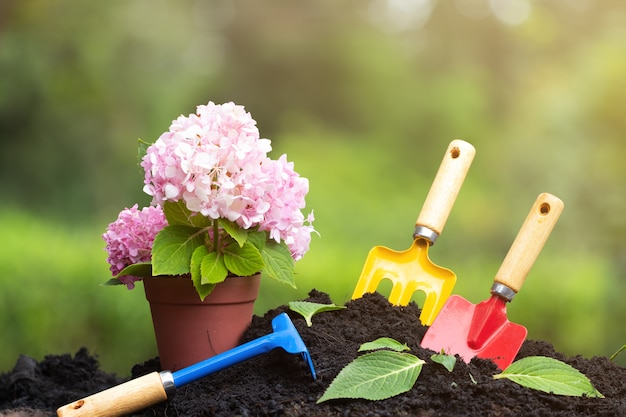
(498, 339)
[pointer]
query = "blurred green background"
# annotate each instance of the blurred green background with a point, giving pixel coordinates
(364, 97)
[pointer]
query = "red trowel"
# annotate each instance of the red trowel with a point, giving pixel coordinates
(483, 329)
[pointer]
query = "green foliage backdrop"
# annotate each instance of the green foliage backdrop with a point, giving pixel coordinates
(364, 97)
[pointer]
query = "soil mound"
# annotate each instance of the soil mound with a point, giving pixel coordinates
(279, 384)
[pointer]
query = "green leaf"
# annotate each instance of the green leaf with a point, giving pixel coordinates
(243, 261)
(213, 269)
(141, 269)
(258, 239)
(196, 272)
(207, 267)
(384, 343)
(549, 375)
(196, 262)
(308, 309)
(172, 249)
(613, 356)
(375, 376)
(203, 290)
(240, 235)
(447, 361)
(279, 265)
(177, 213)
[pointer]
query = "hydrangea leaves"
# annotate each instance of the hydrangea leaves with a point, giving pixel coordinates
(377, 375)
(445, 360)
(307, 309)
(390, 371)
(549, 375)
(278, 262)
(384, 343)
(173, 248)
(210, 250)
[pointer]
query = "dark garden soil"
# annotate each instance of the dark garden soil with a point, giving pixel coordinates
(279, 384)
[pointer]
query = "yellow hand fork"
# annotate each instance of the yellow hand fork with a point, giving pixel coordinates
(412, 270)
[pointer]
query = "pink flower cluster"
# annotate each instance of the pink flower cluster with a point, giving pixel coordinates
(129, 239)
(285, 192)
(217, 164)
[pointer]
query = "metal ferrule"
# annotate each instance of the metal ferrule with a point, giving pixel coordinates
(168, 382)
(503, 291)
(423, 232)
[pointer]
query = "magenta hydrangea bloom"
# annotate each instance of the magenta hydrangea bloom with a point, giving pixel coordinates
(129, 239)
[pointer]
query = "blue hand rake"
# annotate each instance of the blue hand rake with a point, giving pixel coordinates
(155, 387)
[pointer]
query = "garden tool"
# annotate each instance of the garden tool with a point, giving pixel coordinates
(155, 387)
(412, 270)
(483, 330)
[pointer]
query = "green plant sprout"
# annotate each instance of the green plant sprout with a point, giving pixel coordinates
(442, 358)
(615, 355)
(308, 309)
(549, 375)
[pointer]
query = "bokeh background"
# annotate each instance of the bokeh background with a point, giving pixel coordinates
(364, 97)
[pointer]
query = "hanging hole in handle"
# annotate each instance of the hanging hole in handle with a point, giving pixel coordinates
(78, 404)
(544, 209)
(455, 152)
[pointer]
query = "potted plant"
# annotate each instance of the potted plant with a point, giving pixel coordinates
(223, 214)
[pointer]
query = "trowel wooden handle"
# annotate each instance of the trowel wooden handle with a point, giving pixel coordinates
(529, 241)
(119, 400)
(446, 186)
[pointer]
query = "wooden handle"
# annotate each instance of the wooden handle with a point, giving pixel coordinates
(446, 186)
(529, 241)
(119, 400)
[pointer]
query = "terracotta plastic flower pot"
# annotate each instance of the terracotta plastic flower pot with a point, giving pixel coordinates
(188, 330)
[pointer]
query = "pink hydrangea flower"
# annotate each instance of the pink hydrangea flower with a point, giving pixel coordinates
(129, 239)
(206, 159)
(284, 197)
(215, 161)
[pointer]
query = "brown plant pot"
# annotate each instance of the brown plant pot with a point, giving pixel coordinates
(189, 330)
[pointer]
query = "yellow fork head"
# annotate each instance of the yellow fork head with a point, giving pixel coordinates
(409, 271)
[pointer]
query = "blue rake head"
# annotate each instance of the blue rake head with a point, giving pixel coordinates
(284, 336)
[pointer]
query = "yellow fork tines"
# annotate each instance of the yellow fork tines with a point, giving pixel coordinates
(409, 271)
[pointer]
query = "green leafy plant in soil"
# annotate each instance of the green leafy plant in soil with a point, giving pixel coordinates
(384, 343)
(445, 360)
(308, 309)
(549, 375)
(377, 375)
(386, 373)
